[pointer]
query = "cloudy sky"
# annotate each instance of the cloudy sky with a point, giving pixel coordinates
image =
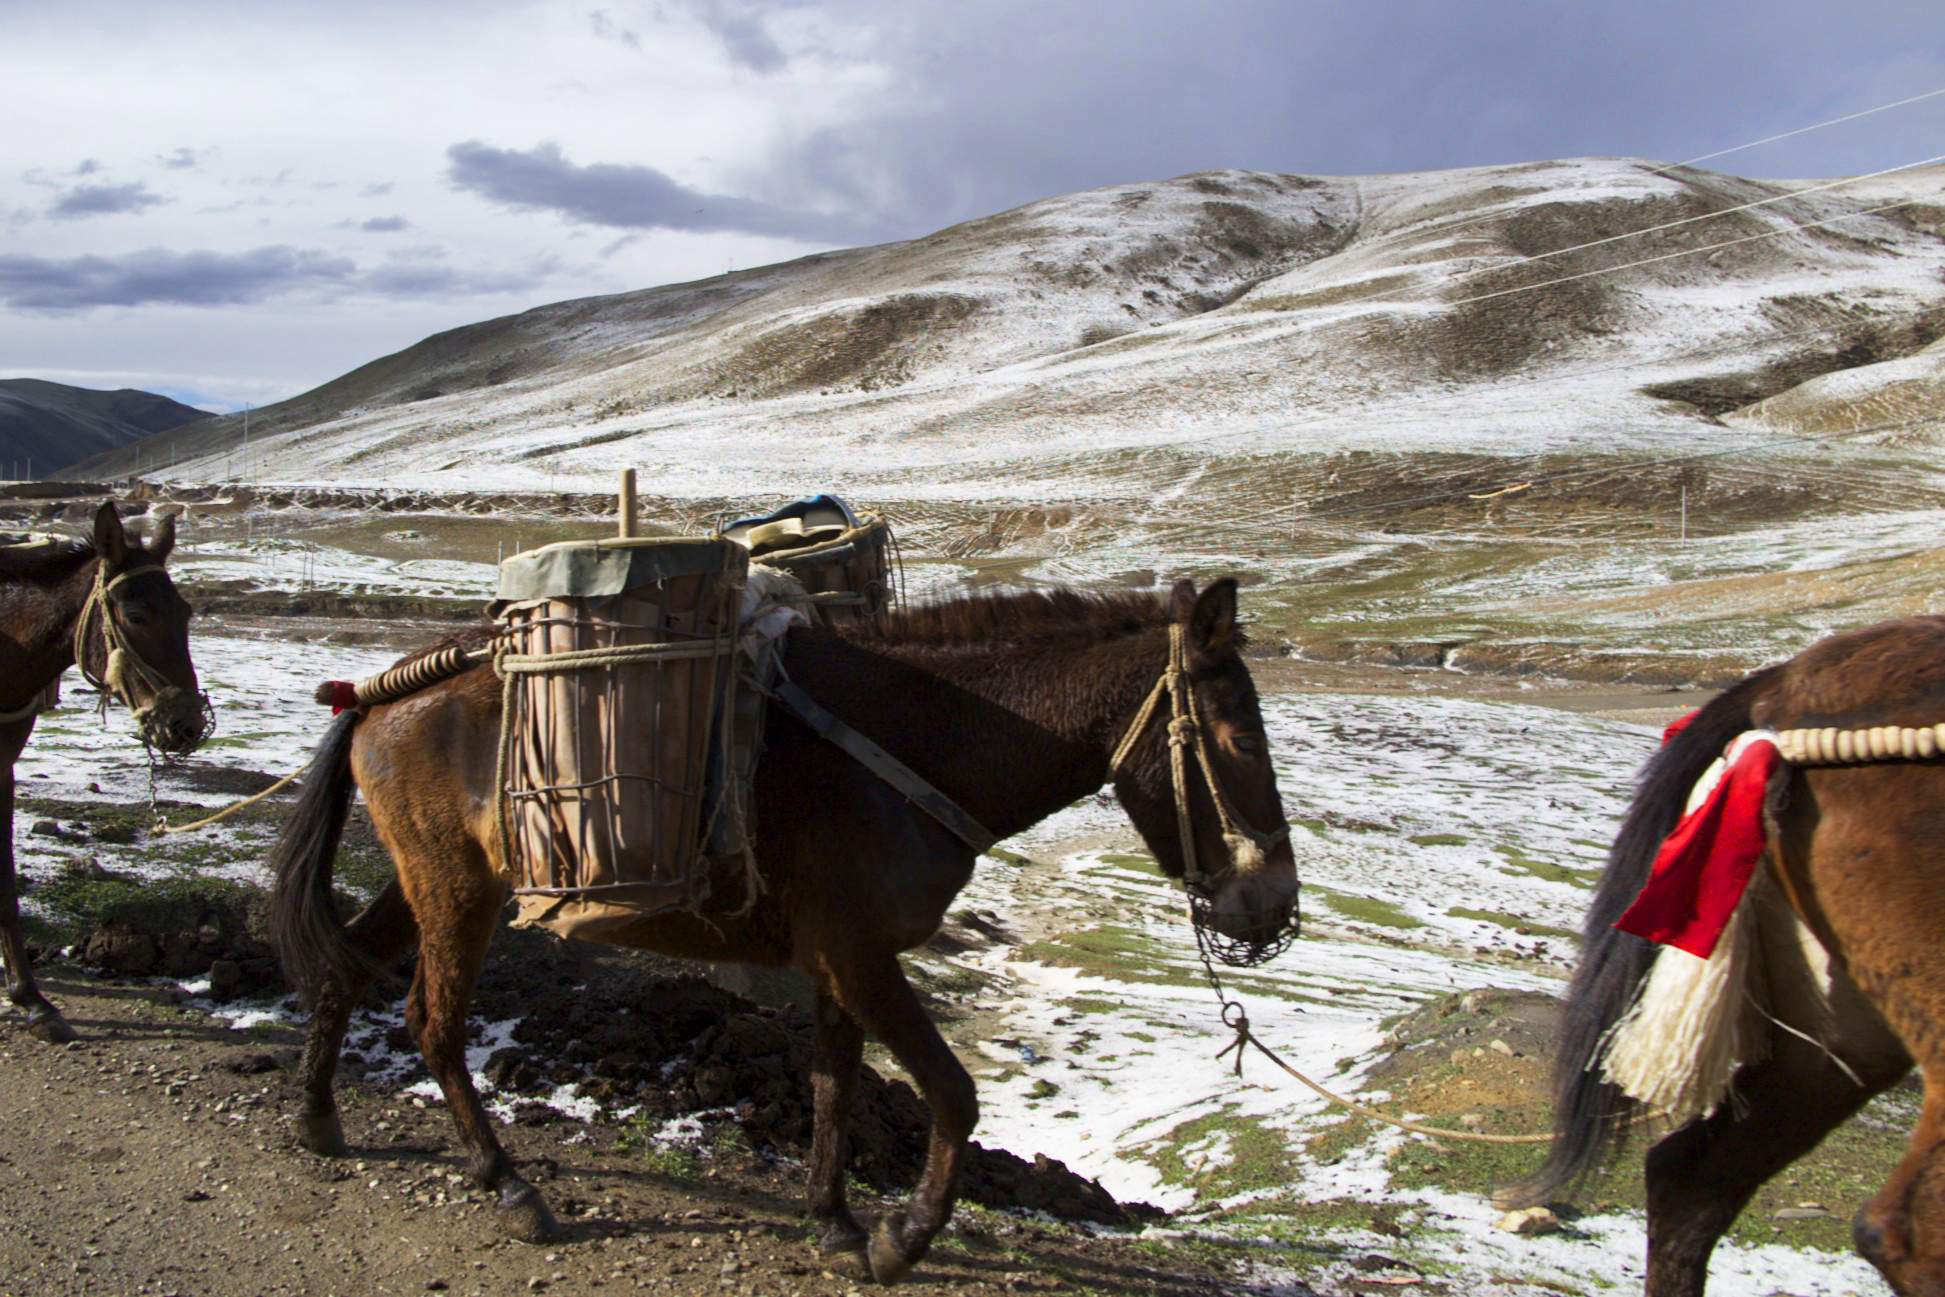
(233, 201)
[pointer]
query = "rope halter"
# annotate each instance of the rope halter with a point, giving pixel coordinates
(173, 718)
(1247, 848)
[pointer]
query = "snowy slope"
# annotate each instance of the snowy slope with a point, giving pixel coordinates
(1222, 312)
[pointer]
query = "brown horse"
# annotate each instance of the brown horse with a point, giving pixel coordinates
(1011, 705)
(1857, 853)
(112, 603)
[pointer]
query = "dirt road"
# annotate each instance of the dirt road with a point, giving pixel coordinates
(153, 1157)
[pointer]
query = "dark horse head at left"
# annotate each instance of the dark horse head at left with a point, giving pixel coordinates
(1011, 706)
(109, 608)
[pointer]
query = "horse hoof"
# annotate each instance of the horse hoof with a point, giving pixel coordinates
(842, 1233)
(524, 1215)
(50, 1026)
(889, 1263)
(322, 1133)
(842, 1247)
(851, 1263)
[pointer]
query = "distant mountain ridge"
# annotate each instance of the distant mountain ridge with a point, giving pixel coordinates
(54, 425)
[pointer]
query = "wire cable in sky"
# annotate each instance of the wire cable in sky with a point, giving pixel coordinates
(1801, 130)
(1688, 252)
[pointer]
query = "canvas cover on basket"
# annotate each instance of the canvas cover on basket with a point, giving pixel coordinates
(841, 558)
(606, 755)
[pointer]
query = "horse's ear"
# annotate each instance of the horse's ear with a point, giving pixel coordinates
(1181, 600)
(165, 538)
(1212, 623)
(111, 542)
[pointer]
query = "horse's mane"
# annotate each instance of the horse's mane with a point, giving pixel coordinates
(1034, 616)
(43, 562)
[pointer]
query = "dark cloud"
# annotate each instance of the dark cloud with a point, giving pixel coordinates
(625, 196)
(87, 167)
(183, 159)
(103, 200)
(157, 275)
(605, 28)
(376, 191)
(745, 39)
(385, 224)
(426, 276)
(995, 104)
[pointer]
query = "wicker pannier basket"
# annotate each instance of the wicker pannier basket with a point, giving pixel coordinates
(617, 663)
(844, 560)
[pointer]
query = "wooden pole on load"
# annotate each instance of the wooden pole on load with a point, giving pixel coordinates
(625, 504)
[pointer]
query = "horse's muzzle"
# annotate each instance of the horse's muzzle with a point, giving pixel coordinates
(176, 721)
(1246, 930)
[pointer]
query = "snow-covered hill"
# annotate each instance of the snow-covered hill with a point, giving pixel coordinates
(1222, 313)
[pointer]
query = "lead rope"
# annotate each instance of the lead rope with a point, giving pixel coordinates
(1236, 1018)
(1185, 731)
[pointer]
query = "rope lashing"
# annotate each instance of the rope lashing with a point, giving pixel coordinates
(512, 665)
(1830, 746)
(397, 682)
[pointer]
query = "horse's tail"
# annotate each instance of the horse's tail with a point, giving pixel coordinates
(1588, 1111)
(310, 938)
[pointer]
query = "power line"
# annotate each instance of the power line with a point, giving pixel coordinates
(1705, 216)
(1689, 252)
(1548, 479)
(1801, 130)
(1571, 374)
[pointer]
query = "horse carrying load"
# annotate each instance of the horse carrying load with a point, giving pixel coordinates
(974, 717)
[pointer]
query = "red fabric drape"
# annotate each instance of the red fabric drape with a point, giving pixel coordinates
(342, 696)
(1703, 867)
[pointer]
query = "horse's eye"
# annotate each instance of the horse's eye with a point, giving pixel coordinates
(1248, 744)
(137, 614)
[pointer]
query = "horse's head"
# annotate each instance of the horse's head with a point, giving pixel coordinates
(132, 638)
(1194, 774)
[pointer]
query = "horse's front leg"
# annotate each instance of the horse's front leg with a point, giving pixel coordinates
(43, 1019)
(873, 990)
(836, 1056)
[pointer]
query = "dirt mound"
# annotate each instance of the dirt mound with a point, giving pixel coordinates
(677, 1047)
(219, 943)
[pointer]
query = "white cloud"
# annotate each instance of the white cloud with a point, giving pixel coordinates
(217, 130)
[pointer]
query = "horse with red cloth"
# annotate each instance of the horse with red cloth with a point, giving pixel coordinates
(1763, 953)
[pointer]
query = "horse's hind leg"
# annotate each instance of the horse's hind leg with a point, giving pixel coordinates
(456, 918)
(1700, 1177)
(836, 1056)
(1902, 1229)
(873, 990)
(384, 930)
(43, 1019)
